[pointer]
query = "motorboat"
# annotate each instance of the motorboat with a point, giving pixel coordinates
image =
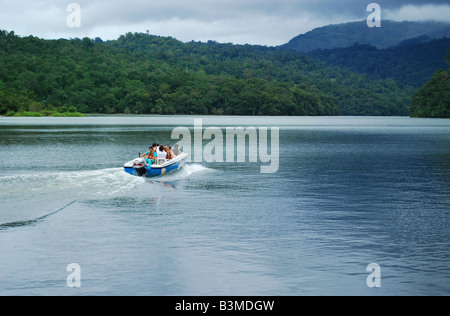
(138, 167)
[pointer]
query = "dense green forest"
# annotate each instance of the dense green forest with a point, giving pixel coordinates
(412, 62)
(144, 74)
(433, 100)
(19, 102)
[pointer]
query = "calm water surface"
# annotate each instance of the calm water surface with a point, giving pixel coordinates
(349, 192)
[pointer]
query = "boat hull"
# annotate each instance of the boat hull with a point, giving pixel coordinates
(156, 170)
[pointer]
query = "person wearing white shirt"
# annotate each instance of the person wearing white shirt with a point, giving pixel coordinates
(161, 153)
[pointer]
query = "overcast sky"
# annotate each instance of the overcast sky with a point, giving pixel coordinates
(265, 22)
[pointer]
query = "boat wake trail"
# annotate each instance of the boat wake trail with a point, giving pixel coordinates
(195, 168)
(26, 197)
(32, 221)
(81, 184)
(187, 171)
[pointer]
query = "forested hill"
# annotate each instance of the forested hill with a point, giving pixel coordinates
(141, 73)
(413, 62)
(433, 100)
(390, 34)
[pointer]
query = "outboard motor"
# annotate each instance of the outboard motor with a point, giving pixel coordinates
(139, 166)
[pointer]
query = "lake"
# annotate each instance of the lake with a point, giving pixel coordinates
(349, 192)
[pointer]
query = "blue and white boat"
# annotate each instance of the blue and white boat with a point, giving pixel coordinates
(138, 167)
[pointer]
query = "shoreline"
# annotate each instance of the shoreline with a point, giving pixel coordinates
(81, 115)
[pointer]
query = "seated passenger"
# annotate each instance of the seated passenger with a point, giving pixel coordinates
(161, 153)
(169, 152)
(176, 150)
(155, 146)
(150, 158)
(144, 155)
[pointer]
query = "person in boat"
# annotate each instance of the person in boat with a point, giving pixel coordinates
(176, 150)
(154, 147)
(161, 153)
(145, 155)
(150, 158)
(169, 152)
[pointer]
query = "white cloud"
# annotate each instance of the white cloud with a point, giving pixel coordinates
(419, 13)
(265, 22)
(260, 30)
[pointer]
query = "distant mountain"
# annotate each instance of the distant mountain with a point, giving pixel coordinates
(345, 35)
(413, 62)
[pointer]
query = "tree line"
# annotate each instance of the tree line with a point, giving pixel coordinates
(144, 74)
(433, 99)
